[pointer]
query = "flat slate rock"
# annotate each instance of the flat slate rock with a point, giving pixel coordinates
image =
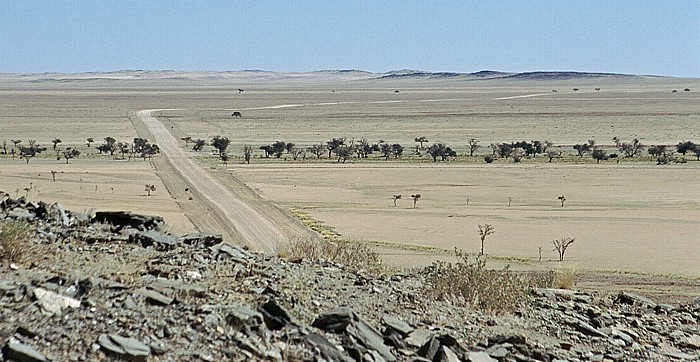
(154, 297)
(124, 347)
(397, 325)
(16, 351)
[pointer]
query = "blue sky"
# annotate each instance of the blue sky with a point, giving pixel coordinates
(638, 37)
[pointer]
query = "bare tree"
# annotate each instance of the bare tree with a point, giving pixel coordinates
(484, 231)
(473, 146)
(396, 197)
(415, 199)
(247, 150)
(198, 145)
(560, 246)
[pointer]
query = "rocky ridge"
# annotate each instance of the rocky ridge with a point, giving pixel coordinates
(116, 286)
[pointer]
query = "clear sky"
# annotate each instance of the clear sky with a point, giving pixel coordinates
(620, 36)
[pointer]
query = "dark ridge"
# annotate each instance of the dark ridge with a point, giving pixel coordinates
(563, 75)
(489, 73)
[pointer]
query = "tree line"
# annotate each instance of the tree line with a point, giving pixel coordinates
(342, 149)
(140, 148)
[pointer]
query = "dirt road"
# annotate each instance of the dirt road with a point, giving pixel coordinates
(261, 233)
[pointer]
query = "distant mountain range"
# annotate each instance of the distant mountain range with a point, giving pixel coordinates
(316, 76)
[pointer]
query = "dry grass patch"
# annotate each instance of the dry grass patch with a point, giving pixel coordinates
(469, 282)
(15, 245)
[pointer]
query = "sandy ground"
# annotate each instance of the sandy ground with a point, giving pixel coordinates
(627, 217)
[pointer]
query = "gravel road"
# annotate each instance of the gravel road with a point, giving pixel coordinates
(261, 233)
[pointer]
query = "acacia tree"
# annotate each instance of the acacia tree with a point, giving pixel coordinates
(484, 231)
(415, 199)
(90, 141)
(685, 147)
(421, 140)
(440, 150)
(221, 144)
(396, 197)
(629, 149)
(55, 142)
(560, 246)
(599, 155)
(562, 199)
(582, 149)
(69, 153)
(473, 146)
(150, 188)
(333, 144)
(343, 152)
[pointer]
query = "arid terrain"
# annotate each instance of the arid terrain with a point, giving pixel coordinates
(627, 217)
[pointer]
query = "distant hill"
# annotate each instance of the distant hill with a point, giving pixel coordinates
(321, 76)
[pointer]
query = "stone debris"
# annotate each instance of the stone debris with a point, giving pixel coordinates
(116, 286)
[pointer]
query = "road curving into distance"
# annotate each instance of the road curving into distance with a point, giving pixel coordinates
(261, 233)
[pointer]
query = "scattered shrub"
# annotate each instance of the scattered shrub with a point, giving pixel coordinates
(488, 158)
(14, 241)
(469, 282)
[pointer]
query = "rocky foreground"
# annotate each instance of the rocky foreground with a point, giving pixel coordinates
(114, 286)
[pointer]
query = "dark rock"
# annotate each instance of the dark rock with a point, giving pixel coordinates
(202, 239)
(225, 251)
(148, 238)
(447, 355)
(335, 320)
(245, 319)
(418, 337)
(122, 219)
(18, 352)
(633, 299)
(430, 348)
(479, 357)
(327, 350)
(274, 316)
(394, 324)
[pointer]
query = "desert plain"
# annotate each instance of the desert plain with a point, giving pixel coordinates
(631, 217)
